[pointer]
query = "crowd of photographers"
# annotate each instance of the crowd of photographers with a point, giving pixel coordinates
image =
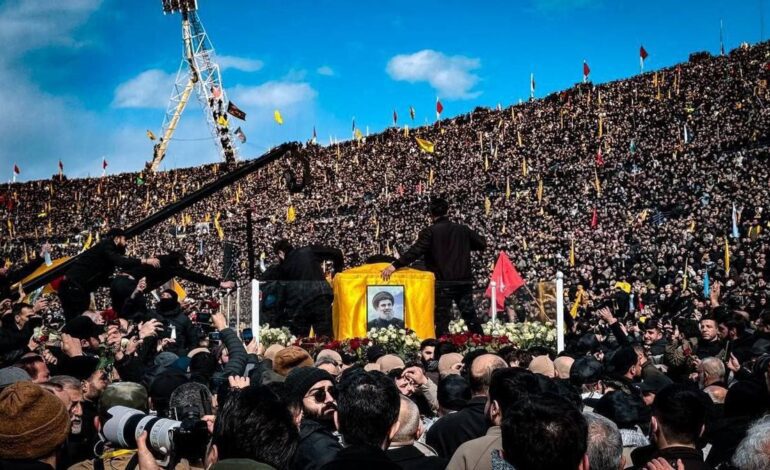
(658, 182)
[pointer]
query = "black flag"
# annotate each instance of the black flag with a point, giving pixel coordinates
(241, 136)
(235, 111)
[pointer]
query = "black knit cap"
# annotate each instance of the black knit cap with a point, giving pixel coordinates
(302, 379)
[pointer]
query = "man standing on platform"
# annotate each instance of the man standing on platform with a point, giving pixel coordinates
(308, 299)
(446, 247)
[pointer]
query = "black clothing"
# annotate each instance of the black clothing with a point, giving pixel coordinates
(691, 458)
(380, 323)
(89, 271)
(710, 349)
(363, 457)
(317, 446)
(462, 295)
(24, 465)
(186, 333)
(447, 248)
(451, 431)
(169, 269)
(724, 436)
(658, 348)
(13, 341)
(410, 458)
(306, 293)
(15, 275)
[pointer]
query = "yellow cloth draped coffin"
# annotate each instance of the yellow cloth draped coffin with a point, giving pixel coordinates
(350, 309)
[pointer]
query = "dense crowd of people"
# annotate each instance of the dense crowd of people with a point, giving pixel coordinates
(647, 193)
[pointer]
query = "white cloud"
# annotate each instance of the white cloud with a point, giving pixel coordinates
(451, 76)
(26, 25)
(239, 63)
(325, 70)
(149, 89)
(274, 94)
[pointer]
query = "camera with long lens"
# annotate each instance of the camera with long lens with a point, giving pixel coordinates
(168, 439)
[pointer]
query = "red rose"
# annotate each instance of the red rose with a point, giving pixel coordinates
(365, 341)
(355, 343)
(503, 340)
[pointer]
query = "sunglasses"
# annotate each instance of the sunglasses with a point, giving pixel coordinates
(319, 395)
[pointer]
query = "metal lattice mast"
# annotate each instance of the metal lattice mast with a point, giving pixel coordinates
(198, 73)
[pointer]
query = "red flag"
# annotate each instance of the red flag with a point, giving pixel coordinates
(104, 163)
(599, 159)
(507, 280)
(643, 52)
(439, 107)
(586, 69)
(594, 219)
(16, 169)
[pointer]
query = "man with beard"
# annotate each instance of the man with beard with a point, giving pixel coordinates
(383, 305)
(92, 270)
(176, 324)
(71, 393)
(310, 396)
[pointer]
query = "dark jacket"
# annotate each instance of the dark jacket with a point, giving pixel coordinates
(317, 446)
(94, 267)
(691, 458)
(13, 341)
(361, 457)
(410, 458)
(446, 247)
(15, 275)
(710, 349)
(169, 269)
(24, 465)
(303, 276)
(238, 357)
(451, 431)
(186, 333)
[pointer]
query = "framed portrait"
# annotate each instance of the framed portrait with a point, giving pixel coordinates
(384, 306)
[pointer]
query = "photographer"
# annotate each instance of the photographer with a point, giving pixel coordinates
(176, 324)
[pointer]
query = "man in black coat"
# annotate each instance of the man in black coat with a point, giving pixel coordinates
(176, 324)
(172, 265)
(446, 247)
(403, 450)
(308, 296)
(93, 269)
(310, 393)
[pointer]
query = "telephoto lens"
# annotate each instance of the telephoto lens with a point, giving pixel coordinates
(126, 424)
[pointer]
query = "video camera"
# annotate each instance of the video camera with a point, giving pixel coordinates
(168, 439)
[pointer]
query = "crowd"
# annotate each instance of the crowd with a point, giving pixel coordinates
(647, 193)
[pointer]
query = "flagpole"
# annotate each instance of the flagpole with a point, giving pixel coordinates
(493, 285)
(559, 312)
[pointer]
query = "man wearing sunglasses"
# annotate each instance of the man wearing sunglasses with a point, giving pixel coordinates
(310, 396)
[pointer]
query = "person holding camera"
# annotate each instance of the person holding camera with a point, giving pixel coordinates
(177, 326)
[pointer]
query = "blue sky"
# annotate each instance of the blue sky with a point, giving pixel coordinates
(85, 78)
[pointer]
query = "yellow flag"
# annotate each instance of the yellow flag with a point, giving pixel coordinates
(524, 170)
(507, 187)
(278, 118)
(358, 134)
(176, 287)
(597, 184)
(578, 300)
(26, 254)
(291, 214)
(430, 177)
(486, 163)
(222, 120)
(684, 279)
(727, 257)
(539, 190)
(601, 126)
(218, 227)
(487, 206)
(572, 253)
(692, 226)
(406, 130)
(518, 137)
(150, 135)
(425, 145)
(89, 241)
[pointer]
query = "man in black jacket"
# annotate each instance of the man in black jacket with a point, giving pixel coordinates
(93, 269)
(172, 265)
(308, 299)
(176, 324)
(446, 247)
(310, 392)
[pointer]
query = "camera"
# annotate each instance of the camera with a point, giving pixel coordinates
(168, 439)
